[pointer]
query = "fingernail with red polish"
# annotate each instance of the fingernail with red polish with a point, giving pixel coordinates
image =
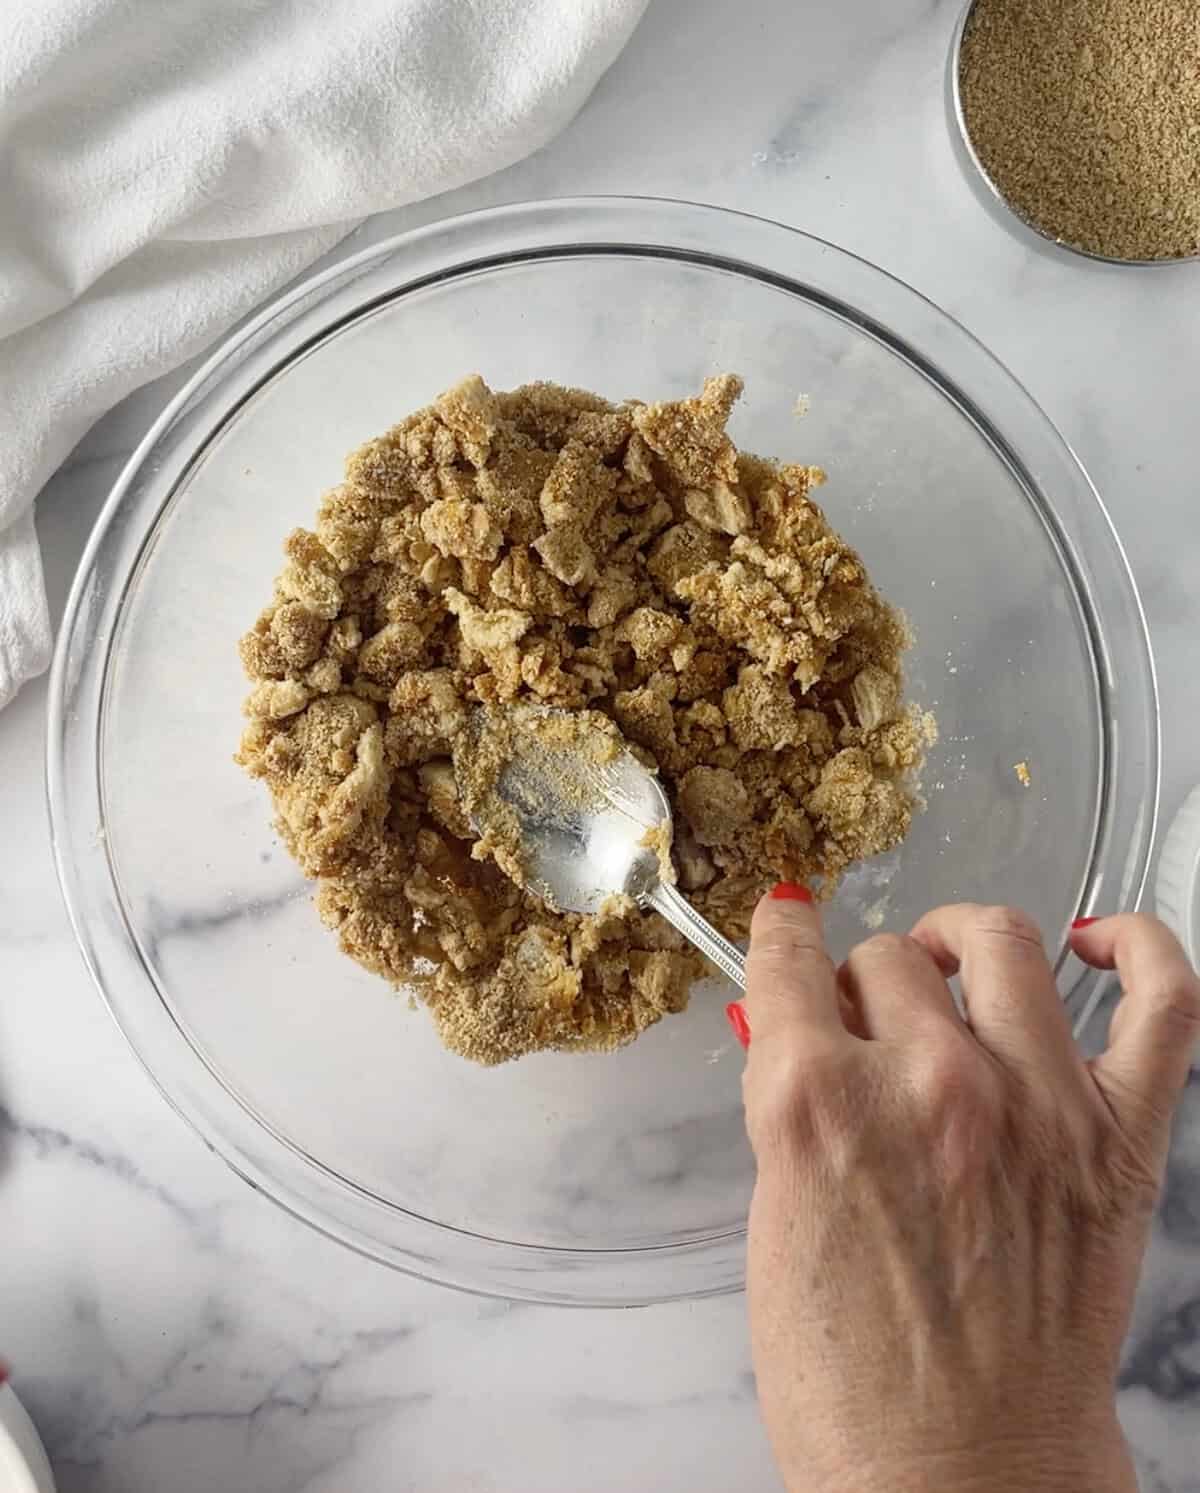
(736, 1014)
(791, 891)
(1084, 922)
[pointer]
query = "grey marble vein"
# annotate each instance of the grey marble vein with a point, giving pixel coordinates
(48, 1143)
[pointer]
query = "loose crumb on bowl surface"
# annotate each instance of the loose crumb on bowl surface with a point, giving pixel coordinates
(545, 545)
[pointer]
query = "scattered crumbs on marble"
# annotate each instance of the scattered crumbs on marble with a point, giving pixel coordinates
(801, 407)
(1022, 771)
(715, 1055)
(775, 158)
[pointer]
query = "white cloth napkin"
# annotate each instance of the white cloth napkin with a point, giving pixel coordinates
(165, 164)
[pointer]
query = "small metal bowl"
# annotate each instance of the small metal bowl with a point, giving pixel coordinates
(988, 192)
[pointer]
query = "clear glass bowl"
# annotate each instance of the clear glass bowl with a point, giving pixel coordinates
(585, 1179)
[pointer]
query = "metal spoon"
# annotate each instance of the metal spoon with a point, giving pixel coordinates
(592, 826)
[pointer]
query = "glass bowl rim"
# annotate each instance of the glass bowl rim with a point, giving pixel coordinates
(871, 300)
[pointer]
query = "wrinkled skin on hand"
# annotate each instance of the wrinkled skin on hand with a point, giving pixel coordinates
(950, 1213)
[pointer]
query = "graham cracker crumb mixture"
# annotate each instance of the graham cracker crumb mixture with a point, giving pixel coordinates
(547, 546)
(1086, 115)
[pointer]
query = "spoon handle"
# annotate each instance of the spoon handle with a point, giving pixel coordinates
(679, 912)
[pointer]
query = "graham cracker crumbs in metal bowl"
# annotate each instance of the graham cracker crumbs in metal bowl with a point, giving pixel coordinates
(1086, 116)
(547, 546)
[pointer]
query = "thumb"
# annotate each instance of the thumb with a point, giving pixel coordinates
(791, 984)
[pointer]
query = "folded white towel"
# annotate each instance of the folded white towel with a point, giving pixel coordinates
(165, 164)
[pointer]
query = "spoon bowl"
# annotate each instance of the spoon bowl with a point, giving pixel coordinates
(591, 822)
(590, 816)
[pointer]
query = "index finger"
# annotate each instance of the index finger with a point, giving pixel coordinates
(791, 985)
(1157, 1020)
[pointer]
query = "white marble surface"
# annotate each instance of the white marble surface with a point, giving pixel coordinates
(173, 1331)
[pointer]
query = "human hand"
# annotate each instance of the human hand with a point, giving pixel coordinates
(950, 1215)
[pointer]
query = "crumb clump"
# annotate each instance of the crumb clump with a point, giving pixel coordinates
(1086, 115)
(545, 546)
(1024, 776)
